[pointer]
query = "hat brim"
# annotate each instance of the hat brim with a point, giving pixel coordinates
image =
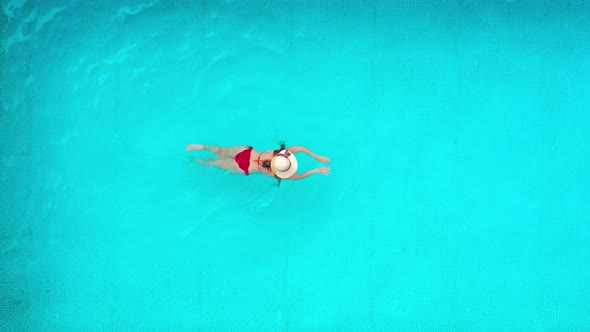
(288, 173)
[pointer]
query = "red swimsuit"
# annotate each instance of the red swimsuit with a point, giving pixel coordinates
(243, 160)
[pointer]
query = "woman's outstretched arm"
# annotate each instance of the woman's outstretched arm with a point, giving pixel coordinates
(323, 170)
(299, 148)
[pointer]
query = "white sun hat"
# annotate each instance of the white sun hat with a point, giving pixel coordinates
(284, 164)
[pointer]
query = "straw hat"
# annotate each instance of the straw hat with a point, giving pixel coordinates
(284, 164)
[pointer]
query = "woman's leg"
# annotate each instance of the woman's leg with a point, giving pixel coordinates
(226, 164)
(213, 148)
(228, 152)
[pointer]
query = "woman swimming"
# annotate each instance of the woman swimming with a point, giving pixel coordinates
(280, 163)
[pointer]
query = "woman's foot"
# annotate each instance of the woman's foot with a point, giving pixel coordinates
(192, 147)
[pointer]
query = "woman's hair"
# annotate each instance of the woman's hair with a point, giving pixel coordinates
(275, 152)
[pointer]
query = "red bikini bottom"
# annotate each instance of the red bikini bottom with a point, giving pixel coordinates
(243, 160)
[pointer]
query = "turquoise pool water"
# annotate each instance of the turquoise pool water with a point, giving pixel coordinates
(458, 198)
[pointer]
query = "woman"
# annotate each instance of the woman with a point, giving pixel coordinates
(280, 163)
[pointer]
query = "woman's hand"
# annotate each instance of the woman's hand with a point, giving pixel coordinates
(324, 160)
(323, 170)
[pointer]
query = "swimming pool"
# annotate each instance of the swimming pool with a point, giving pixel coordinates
(458, 134)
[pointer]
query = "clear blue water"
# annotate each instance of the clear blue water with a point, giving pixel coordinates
(458, 198)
